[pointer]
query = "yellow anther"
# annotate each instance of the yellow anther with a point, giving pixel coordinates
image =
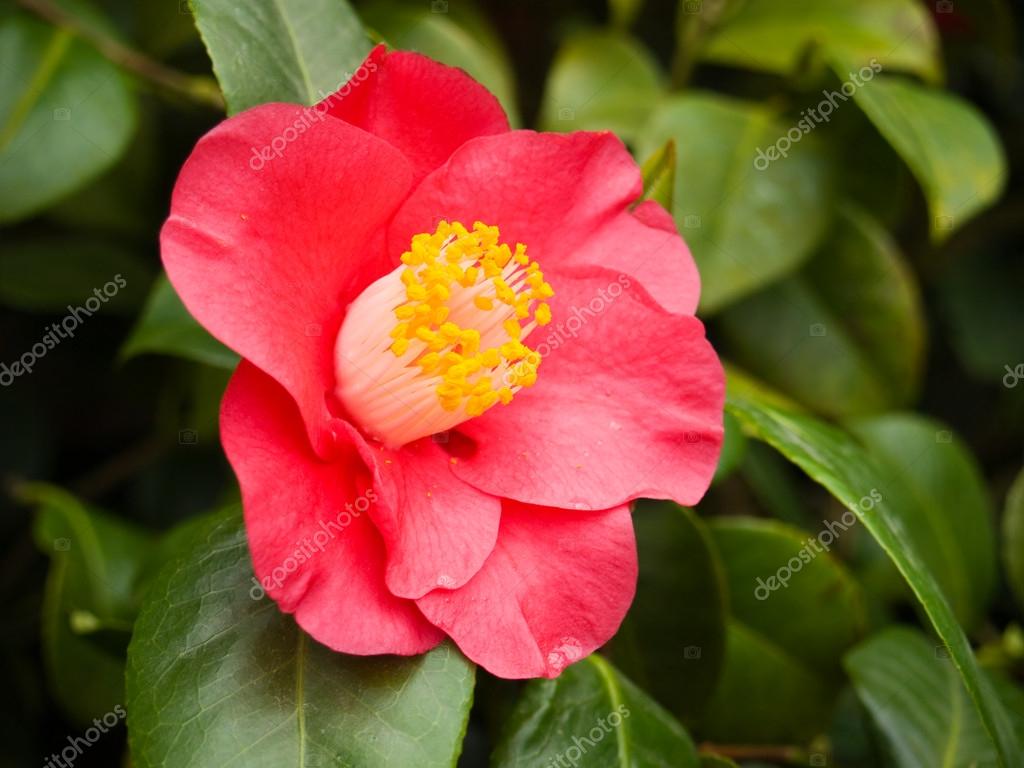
(513, 329)
(465, 359)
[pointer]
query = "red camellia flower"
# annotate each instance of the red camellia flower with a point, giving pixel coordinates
(466, 350)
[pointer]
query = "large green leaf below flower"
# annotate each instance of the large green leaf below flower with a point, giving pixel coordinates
(218, 678)
(591, 715)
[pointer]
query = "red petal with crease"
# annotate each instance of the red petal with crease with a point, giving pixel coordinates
(314, 549)
(267, 256)
(437, 528)
(555, 589)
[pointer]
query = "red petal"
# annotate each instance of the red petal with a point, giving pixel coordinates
(426, 109)
(314, 549)
(555, 589)
(437, 528)
(567, 197)
(628, 403)
(267, 256)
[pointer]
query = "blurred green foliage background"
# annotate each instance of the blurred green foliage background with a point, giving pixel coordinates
(862, 261)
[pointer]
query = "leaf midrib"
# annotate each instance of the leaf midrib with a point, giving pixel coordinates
(278, 6)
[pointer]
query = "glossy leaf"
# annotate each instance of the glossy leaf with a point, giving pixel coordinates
(166, 327)
(452, 33)
(1013, 538)
(940, 499)
(912, 689)
(295, 51)
(794, 610)
(591, 715)
(774, 35)
(601, 80)
(845, 335)
(833, 458)
(97, 569)
(672, 642)
(746, 226)
(66, 114)
(948, 144)
(217, 678)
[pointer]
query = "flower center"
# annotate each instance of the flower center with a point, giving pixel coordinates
(440, 339)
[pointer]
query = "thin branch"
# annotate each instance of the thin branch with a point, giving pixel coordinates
(196, 88)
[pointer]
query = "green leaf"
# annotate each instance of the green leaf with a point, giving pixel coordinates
(601, 80)
(745, 226)
(591, 715)
(833, 458)
(217, 678)
(1013, 538)
(949, 146)
(918, 702)
(49, 273)
(939, 496)
(295, 51)
(774, 35)
(845, 335)
(794, 612)
(672, 642)
(983, 311)
(458, 36)
(66, 114)
(92, 593)
(659, 173)
(165, 327)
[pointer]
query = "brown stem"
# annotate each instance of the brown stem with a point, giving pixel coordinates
(195, 88)
(770, 752)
